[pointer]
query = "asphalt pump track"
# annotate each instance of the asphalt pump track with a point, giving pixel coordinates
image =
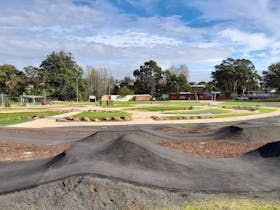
(134, 156)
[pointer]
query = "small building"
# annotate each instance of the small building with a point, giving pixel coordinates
(143, 97)
(105, 98)
(92, 98)
(200, 96)
(140, 97)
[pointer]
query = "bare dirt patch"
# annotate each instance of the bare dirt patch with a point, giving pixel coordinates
(23, 152)
(212, 149)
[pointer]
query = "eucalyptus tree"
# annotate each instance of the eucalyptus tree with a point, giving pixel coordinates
(271, 77)
(235, 76)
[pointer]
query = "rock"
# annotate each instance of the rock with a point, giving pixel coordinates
(61, 120)
(76, 119)
(85, 119)
(70, 118)
(116, 119)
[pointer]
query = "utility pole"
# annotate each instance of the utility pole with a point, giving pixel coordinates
(2, 99)
(77, 87)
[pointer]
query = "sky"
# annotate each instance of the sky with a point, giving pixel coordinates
(121, 35)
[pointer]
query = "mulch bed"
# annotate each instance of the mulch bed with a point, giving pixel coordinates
(10, 151)
(212, 149)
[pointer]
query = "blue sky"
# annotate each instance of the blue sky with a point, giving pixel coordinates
(122, 34)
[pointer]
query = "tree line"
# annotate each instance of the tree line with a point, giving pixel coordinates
(60, 77)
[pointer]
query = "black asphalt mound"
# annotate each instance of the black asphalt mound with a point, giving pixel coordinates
(133, 158)
(239, 132)
(41, 136)
(270, 150)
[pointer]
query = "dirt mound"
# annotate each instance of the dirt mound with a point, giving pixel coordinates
(250, 132)
(134, 159)
(257, 132)
(270, 150)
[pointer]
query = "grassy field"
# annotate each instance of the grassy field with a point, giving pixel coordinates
(250, 103)
(102, 115)
(19, 117)
(157, 108)
(203, 111)
(266, 110)
(136, 104)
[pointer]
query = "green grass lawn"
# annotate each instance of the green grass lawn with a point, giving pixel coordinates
(19, 117)
(233, 115)
(120, 104)
(266, 110)
(102, 115)
(157, 108)
(203, 111)
(250, 103)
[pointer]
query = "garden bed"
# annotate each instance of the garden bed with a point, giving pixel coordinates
(97, 115)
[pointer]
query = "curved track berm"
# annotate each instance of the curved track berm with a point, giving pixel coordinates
(132, 157)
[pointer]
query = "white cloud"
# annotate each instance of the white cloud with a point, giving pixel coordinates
(101, 35)
(132, 39)
(251, 41)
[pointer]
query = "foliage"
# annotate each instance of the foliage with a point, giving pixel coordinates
(34, 80)
(147, 79)
(272, 76)
(19, 117)
(99, 82)
(12, 81)
(61, 74)
(236, 76)
(124, 91)
(150, 78)
(174, 82)
(181, 70)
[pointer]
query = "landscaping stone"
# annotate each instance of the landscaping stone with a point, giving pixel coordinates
(85, 119)
(61, 120)
(69, 118)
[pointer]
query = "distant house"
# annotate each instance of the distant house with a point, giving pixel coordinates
(200, 96)
(143, 97)
(140, 97)
(92, 98)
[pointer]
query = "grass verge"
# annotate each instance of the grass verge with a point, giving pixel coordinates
(266, 110)
(20, 117)
(250, 103)
(203, 111)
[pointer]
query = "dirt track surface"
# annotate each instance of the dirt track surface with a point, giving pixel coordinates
(212, 149)
(10, 151)
(138, 118)
(137, 158)
(41, 136)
